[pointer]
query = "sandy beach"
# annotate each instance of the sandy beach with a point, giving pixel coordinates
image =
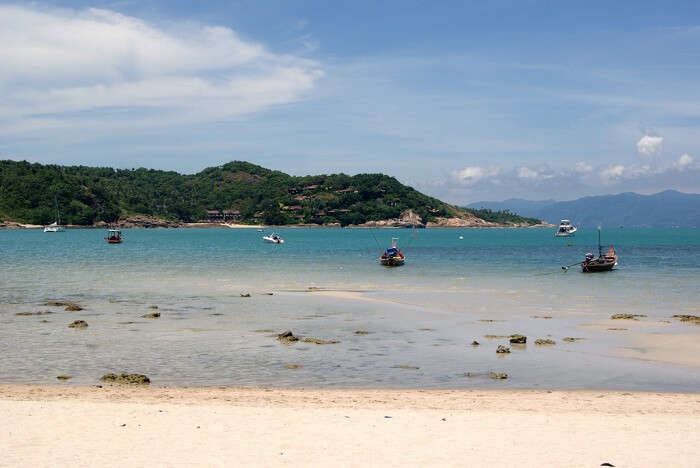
(126, 426)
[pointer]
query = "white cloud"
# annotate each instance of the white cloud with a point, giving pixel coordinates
(59, 65)
(650, 145)
(527, 173)
(684, 161)
(472, 174)
(613, 172)
(582, 167)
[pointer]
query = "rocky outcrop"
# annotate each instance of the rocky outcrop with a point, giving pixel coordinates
(408, 219)
(518, 339)
(78, 324)
(124, 378)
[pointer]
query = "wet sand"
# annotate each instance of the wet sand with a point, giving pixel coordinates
(119, 426)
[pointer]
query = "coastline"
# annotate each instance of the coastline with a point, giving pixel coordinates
(48, 426)
(21, 226)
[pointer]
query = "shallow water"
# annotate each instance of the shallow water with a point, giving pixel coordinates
(423, 315)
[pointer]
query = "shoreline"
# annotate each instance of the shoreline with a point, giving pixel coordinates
(137, 426)
(20, 226)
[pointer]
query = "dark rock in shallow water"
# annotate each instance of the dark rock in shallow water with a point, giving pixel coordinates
(287, 337)
(688, 318)
(124, 378)
(38, 312)
(569, 339)
(78, 324)
(545, 342)
(152, 315)
(403, 366)
(245, 294)
(626, 316)
(518, 339)
(70, 306)
(361, 332)
(64, 377)
(498, 375)
(153, 307)
(293, 366)
(502, 349)
(475, 343)
(319, 341)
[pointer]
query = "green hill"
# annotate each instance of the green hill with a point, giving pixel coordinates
(240, 191)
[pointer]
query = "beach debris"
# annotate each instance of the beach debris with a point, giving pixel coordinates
(152, 315)
(626, 316)
(153, 307)
(475, 343)
(70, 306)
(287, 337)
(544, 342)
(495, 337)
(293, 366)
(64, 377)
(569, 339)
(502, 349)
(38, 312)
(498, 375)
(541, 316)
(617, 329)
(78, 324)
(606, 464)
(404, 366)
(688, 318)
(124, 378)
(319, 341)
(245, 294)
(361, 332)
(518, 339)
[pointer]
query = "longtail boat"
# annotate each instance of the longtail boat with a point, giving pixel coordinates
(392, 256)
(603, 262)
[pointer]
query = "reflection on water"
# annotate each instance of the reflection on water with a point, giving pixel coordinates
(421, 319)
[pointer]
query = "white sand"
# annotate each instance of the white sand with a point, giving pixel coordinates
(113, 426)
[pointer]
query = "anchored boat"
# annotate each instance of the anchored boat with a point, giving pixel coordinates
(114, 236)
(56, 225)
(393, 255)
(566, 229)
(273, 238)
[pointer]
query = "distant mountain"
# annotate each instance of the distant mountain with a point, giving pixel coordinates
(668, 208)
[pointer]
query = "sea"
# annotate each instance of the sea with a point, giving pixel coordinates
(224, 295)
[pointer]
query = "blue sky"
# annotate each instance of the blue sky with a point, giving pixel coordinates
(463, 100)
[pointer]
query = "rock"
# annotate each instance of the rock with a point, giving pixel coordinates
(502, 349)
(319, 341)
(268, 294)
(64, 377)
(475, 343)
(124, 378)
(70, 306)
(541, 316)
(498, 375)
(545, 342)
(245, 294)
(293, 366)
(78, 324)
(403, 366)
(569, 339)
(688, 318)
(153, 307)
(518, 339)
(287, 337)
(38, 312)
(495, 337)
(626, 316)
(361, 332)
(152, 315)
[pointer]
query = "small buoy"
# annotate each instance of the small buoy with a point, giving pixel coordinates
(461, 237)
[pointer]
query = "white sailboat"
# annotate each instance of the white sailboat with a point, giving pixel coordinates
(56, 225)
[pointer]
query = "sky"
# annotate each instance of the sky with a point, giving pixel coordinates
(465, 101)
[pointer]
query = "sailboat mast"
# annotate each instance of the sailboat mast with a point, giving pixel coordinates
(600, 250)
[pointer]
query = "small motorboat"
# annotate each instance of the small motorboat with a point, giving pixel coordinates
(393, 255)
(566, 229)
(273, 238)
(114, 236)
(604, 262)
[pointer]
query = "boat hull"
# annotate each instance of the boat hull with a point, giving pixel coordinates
(597, 266)
(391, 261)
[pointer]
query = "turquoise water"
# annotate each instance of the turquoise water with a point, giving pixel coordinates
(424, 314)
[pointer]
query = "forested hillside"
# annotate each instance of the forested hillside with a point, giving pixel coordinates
(237, 191)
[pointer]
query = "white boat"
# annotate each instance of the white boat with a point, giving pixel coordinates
(56, 225)
(566, 229)
(273, 239)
